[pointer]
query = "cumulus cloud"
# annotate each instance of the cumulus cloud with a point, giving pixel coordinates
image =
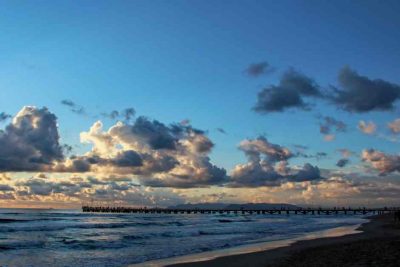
(359, 93)
(367, 127)
(73, 106)
(257, 69)
(268, 166)
(30, 142)
(307, 173)
(384, 163)
(394, 126)
(330, 126)
(160, 155)
(291, 92)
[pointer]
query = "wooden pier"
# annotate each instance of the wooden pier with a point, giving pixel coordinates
(299, 211)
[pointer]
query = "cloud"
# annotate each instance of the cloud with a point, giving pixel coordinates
(126, 114)
(4, 177)
(330, 126)
(221, 130)
(380, 161)
(291, 92)
(320, 155)
(342, 162)
(256, 148)
(257, 69)
(4, 116)
(30, 142)
(367, 127)
(307, 173)
(4, 188)
(38, 187)
(346, 153)
(268, 166)
(159, 155)
(394, 126)
(41, 187)
(360, 94)
(73, 107)
(127, 158)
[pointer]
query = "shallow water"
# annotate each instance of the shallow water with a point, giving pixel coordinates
(73, 238)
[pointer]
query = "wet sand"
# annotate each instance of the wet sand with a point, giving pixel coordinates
(377, 245)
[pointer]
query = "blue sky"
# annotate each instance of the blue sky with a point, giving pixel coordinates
(176, 60)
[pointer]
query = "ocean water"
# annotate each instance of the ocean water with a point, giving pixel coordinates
(72, 238)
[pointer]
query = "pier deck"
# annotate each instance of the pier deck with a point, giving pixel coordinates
(300, 211)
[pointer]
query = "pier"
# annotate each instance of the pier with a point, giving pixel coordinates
(298, 211)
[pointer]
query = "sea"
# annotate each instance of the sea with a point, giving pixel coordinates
(35, 237)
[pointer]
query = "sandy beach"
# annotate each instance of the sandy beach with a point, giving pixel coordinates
(377, 244)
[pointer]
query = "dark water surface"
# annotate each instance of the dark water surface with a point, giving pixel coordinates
(72, 238)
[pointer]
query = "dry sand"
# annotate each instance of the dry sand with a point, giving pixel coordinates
(377, 245)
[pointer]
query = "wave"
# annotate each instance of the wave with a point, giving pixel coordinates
(228, 221)
(13, 220)
(8, 220)
(48, 228)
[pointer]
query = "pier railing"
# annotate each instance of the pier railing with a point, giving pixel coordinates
(299, 211)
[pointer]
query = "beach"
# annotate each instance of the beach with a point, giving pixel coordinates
(376, 244)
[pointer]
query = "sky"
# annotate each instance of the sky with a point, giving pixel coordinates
(165, 102)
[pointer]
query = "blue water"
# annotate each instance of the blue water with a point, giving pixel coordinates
(72, 238)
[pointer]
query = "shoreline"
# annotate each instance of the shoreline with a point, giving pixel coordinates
(372, 236)
(259, 246)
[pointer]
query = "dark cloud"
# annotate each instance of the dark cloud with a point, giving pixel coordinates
(7, 196)
(156, 134)
(317, 156)
(301, 147)
(320, 155)
(42, 187)
(74, 107)
(4, 116)
(157, 164)
(257, 69)
(4, 187)
(255, 174)
(329, 126)
(221, 130)
(268, 166)
(38, 187)
(67, 149)
(95, 181)
(126, 114)
(30, 142)
(307, 173)
(342, 163)
(359, 93)
(207, 175)
(128, 158)
(120, 187)
(292, 91)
